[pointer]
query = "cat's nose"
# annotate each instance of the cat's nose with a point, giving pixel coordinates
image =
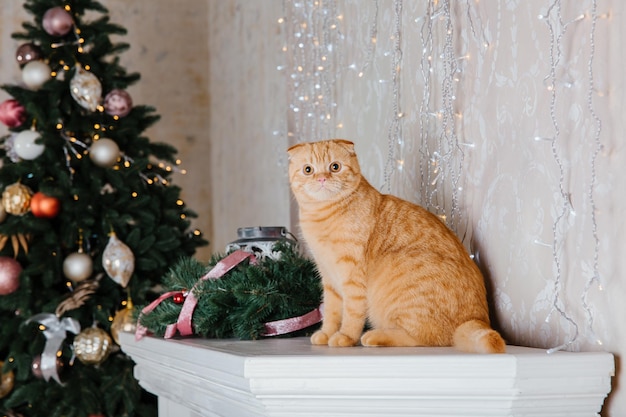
(322, 180)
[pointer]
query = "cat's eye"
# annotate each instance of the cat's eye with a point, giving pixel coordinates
(335, 167)
(307, 170)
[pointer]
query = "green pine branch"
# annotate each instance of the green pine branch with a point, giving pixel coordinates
(240, 303)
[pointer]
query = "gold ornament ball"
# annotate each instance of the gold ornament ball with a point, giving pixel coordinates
(7, 381)
(92, 346)
(123, 322)
(16, 199)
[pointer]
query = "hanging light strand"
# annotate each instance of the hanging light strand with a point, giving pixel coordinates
(553, 16)
(394, 138)
(597, 147)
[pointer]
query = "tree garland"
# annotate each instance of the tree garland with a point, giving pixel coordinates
(243, 300)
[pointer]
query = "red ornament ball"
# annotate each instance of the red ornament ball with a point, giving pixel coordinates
(44, 206)
(12, 113)
(118, 103)
(27, 52)
(178, 298)
(57, 21)
(10, 271)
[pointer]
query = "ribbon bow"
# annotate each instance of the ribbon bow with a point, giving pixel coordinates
(183, 324)
(55, 332)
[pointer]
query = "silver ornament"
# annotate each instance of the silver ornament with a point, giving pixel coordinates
(35, 74)
(86, 89)
(104, 152)
(25, 146)
(78, 266)
(118, 261)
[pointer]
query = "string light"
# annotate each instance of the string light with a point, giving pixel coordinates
(597, 147)
(312, 65)
(557, 28)
(394, 138)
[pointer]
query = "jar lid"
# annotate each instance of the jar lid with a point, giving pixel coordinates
(260, 232)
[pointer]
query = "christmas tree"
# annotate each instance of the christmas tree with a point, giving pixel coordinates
(90, 221)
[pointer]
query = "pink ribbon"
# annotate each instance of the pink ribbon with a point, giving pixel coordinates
(141, 331)
(183, 324)
(278, 327)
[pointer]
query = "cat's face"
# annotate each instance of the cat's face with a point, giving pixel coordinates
(323, 171)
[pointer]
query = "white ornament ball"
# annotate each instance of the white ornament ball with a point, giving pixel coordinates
(78, 266)
(35, 74)
(25, 147)
(104, 152)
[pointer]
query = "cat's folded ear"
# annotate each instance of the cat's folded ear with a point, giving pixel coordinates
(349, 146)
(292, 148)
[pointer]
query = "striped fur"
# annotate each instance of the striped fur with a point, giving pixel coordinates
(384, 260)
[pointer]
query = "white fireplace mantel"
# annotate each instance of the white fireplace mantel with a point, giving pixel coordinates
(290, 378)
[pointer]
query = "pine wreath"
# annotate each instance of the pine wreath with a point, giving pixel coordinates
(243, 300)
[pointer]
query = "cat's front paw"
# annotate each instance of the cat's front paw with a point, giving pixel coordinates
(341, 340)
(319, 338)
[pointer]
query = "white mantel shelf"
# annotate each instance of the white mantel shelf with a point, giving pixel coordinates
(290, 378)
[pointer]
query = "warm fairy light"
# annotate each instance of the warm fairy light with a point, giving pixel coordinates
(59, 126)
(100, 108)
(197, 232)
(87, 67)
(134, 194)
(67, 8)
(183, 171)
(178, 162)
(96, 126)
(59, 353)
(96, 137)
(75, 197)
(183, 216)
(180, 202)
(42, 327)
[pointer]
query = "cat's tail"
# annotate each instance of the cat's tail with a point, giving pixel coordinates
(476, 336)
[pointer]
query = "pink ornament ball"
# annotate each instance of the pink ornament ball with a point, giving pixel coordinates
(10, 271)
(12, 113)
(118, 103)
(57, 21)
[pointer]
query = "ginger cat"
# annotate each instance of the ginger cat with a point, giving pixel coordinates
(384, 260)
